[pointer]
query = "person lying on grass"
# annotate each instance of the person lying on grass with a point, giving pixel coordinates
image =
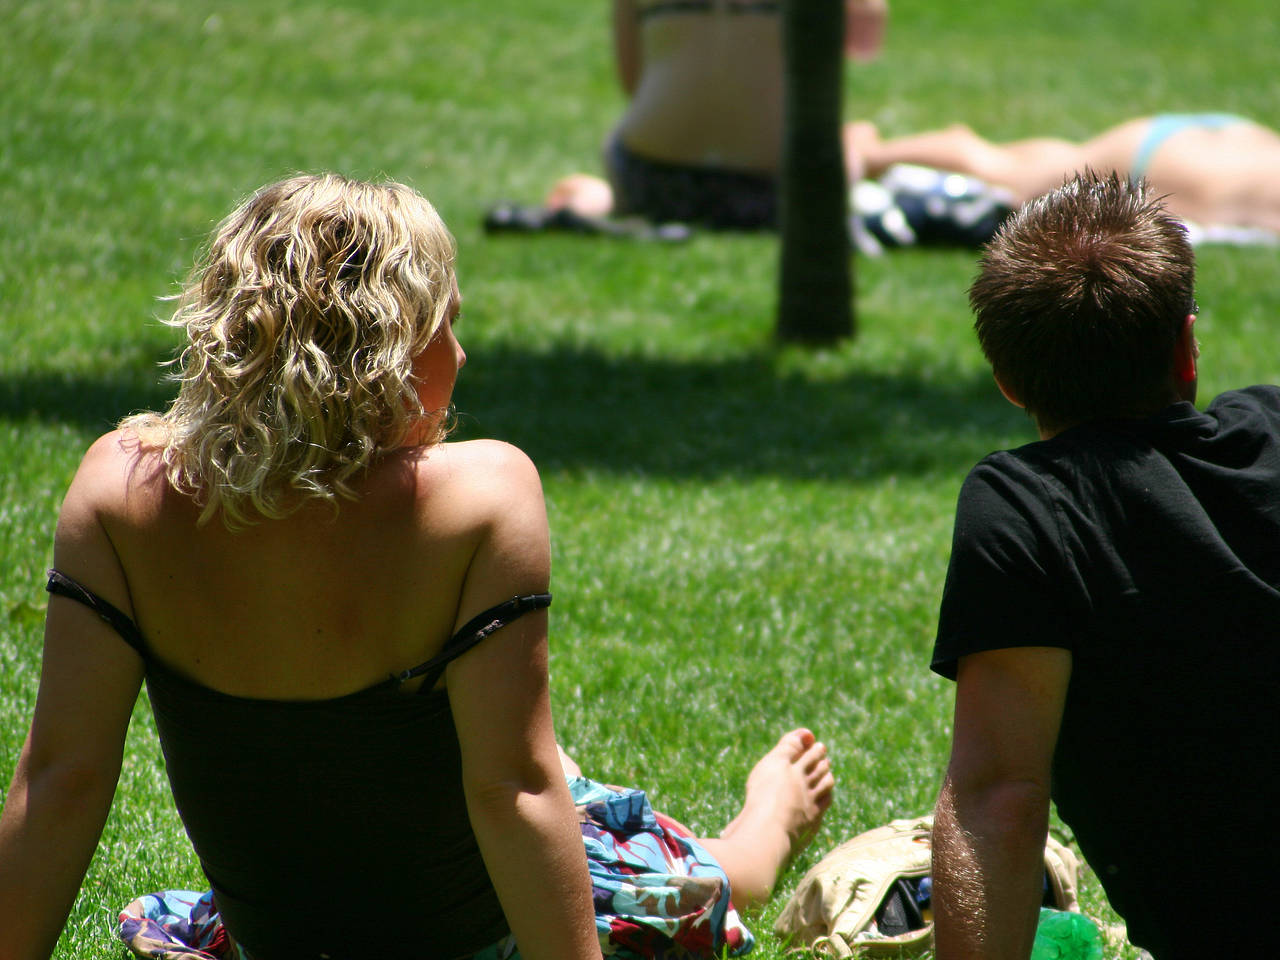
(341, 621)
(1216, 169)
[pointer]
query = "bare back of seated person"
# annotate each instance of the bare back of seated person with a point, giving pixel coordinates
(709, 88)
(319, 604)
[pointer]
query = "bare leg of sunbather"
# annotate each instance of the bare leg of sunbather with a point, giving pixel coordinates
(788, 791)
(1026, 167)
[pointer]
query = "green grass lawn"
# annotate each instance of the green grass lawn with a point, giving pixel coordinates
(745, 537)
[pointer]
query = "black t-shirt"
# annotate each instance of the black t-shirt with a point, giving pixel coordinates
(1151, 550)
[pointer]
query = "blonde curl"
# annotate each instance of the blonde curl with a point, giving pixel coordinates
(303, 318)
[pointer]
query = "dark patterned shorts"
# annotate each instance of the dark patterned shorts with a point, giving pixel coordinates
(707, 196)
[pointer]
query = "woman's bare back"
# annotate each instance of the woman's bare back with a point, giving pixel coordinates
(324, 602)
(709, 91)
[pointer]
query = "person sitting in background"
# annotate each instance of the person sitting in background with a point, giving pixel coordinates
(1216, 170)
(701, 139)
(1111, 605)
(340, 619)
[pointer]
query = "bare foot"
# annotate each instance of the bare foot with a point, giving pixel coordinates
(582, 193)
(788, 790)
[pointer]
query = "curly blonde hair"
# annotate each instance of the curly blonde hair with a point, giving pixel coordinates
(303, 318)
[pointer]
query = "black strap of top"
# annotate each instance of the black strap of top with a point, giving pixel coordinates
(475, 630)
(63, 586)
(755, 6)
(666, 7)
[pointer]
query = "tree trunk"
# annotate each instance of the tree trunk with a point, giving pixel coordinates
(815, 279)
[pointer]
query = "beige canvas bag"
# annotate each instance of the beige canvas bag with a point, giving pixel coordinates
(833, 909)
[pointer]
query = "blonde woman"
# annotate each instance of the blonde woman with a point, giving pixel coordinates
(341, 623)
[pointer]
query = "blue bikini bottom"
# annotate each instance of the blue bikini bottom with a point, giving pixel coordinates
(1165, 125)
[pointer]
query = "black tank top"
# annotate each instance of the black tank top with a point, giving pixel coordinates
(330, 828)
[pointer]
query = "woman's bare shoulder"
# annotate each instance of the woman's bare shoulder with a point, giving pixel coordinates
(479, 464)
(493, 498)
(475, 485)
(117, 470)
(125, 477)
(485, 450)
(117, 481)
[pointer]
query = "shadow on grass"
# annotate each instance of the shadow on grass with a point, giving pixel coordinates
(92, 401)
(580, 409)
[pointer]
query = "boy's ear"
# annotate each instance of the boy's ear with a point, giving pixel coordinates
(1187, 351)
(1008, 394)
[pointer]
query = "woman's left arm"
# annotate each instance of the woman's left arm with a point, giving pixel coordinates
(864, 27)
(519, 804)
(66, 774)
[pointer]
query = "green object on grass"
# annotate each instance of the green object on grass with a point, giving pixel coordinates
(1066, 935)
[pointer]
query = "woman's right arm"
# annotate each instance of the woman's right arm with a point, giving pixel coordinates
(626, 44)
(66, 773)
(519, 804)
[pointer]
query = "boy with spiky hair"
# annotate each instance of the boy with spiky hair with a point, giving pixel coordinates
(1111, 613)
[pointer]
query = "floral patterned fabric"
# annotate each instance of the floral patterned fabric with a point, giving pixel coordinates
(177, 925)
(658, 894)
